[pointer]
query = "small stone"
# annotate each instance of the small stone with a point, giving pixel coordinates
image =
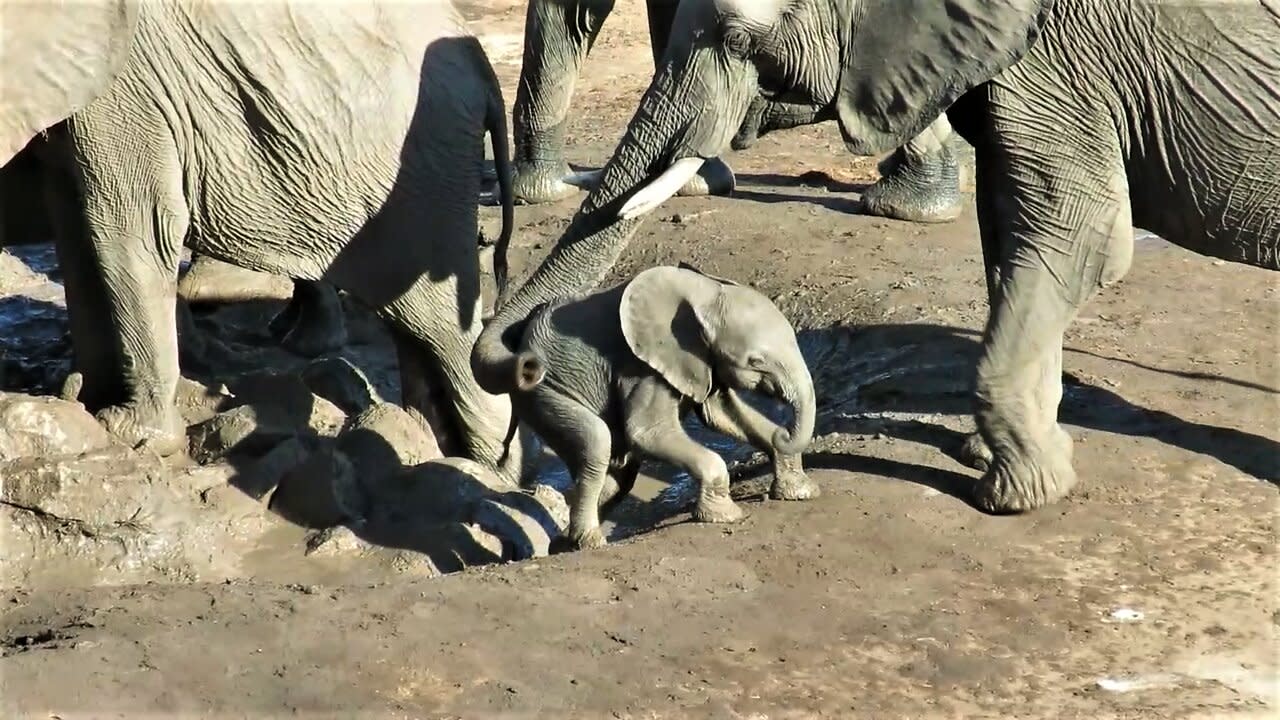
(44, 426)
(321, 492)
(526, 525)
(341, 383)
(243, 430)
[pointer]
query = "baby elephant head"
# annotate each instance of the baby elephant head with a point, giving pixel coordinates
(696, 330)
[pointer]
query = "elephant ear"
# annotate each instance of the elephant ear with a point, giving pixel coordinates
(56, 58)
(723, 281)
(663, 315)
(909, 60)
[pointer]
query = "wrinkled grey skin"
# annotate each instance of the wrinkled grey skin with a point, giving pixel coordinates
(624, 365)
(250, 133)
(1087, 118)
(920, 182)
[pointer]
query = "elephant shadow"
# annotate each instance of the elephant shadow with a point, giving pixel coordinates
(899, 381)
(816, 186)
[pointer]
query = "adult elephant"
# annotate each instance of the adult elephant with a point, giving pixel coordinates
(1087, 118)
(342, 142)
(920, 181)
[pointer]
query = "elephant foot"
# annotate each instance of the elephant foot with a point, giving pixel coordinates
(923, 189)
(313, 323)
(544, 181)
(717, 509)
(209, 281)
(1016, 484)
(976, 453)
(713, 178)
(589, 539)
(793, 486)
(162, 432)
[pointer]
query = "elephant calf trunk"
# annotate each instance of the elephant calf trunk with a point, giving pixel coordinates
(793, 439)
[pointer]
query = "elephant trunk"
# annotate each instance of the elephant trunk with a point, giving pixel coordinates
(794, 438)
(668, 126)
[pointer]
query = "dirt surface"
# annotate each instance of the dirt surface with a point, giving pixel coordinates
(1150, 592)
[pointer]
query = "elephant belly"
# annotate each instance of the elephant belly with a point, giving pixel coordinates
(301, 121)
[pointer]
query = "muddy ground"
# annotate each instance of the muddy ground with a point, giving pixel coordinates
(1150, 592)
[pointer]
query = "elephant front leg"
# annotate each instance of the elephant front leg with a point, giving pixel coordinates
(653, 427)
(725, 412)
(558, 36)
(135, 231)
(921, 181)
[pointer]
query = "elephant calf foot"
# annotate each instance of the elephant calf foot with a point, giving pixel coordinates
(313, 323)
(713, 178)
(790, 481)
(1015, 484)
(161, 431)
(545, 181)
(922, 189)
(717, 508)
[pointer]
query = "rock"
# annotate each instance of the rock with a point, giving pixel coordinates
(384, 440)
(44, 426)
(440, 490)
(287, 398)
(320, 492)
(198, 403)
(341, 383)
(245, 430)
(261, 477)
(526, 521)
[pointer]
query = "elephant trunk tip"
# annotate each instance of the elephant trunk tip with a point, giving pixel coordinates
(530, 370)
(787, 444)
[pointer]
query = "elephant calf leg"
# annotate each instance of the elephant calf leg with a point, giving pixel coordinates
(920, 181)
(670, 443)
(725, 412)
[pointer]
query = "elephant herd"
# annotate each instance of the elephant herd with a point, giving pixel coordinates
(343, 144)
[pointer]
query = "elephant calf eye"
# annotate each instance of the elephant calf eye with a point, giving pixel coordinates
(755, 362)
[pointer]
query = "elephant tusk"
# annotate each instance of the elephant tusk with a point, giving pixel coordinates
(661, 189)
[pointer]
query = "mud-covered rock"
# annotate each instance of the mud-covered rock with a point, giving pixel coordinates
(260, 477)
(198, 402)
(341, 383)
(288, 400)
(441, 490)
(117, 516)
(527, 522)
(383, 440)
(320, 492)
(43, 426)
(245, 430)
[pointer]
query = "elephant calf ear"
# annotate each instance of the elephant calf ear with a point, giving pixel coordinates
(909, 60)
(662, 326)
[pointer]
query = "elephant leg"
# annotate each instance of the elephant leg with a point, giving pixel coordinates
(136, 229)
(920, 181)
(619, 486)
(725, 412)
(312, 324)
(653, 428)
(974, 452)
(584, 443)
(714, 177)
(96, 380)
(558, 36)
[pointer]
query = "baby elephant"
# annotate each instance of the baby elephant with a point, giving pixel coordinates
(606, 378)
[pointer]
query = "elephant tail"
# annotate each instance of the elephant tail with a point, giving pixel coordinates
(495, 123)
